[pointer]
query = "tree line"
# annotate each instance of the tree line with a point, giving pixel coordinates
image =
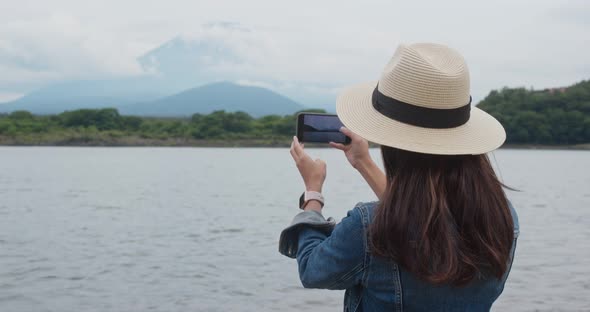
(552, 116)
(103, 125)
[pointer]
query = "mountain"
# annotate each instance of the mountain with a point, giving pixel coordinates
(227, 96)
(550, 116)
(193, 61)
(73, 95)
(176, 65)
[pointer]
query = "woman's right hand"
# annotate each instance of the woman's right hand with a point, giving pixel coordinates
(357, 151)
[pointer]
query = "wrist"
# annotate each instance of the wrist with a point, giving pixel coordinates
(313, 205)
(314, 188)
(365, 164)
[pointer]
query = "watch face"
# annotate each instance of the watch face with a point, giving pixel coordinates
(311, 195)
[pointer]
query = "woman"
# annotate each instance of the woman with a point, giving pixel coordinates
(442, 235)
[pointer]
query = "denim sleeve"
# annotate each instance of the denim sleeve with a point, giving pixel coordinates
(289, 240)
(514, 220)
(336, 260)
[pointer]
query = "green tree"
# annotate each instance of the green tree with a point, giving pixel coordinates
(553, 116)
(21, 115)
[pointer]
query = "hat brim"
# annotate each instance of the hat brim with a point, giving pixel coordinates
(481, 134)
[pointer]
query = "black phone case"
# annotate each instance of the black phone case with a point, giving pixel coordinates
(299, 127)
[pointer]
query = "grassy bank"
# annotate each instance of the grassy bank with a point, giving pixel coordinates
(117, 140)
(579, 147)
(105, 127)
(121, 141)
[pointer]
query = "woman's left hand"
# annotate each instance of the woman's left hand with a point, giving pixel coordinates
(312, 171)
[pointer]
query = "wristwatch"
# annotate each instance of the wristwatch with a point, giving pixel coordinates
(310, 195)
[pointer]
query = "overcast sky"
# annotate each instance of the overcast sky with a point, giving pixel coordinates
(330, 44)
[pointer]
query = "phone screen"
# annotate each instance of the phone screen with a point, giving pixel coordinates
(320, 129)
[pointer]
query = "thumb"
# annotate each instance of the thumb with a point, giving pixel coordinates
(349, 133)
(346, 131)
(338, 146)
(353, 136)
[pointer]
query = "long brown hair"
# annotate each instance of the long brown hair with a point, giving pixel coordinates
(443, 218)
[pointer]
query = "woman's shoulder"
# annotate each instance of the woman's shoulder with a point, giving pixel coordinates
(366, 207)
(363, 212)
(514, 219)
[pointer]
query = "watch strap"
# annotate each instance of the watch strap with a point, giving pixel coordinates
(310, 195)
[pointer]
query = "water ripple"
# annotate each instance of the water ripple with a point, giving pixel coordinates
(167, 230)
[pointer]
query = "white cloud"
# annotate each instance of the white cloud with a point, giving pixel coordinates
(253, 83)
(7, 96)
(60, 47)
(311, 45)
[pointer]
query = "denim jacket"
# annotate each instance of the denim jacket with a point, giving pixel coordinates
(334, 256)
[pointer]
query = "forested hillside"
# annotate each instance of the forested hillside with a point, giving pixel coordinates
(552, 116)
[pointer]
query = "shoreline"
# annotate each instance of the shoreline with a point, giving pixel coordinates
(134, 142)
(576, 147)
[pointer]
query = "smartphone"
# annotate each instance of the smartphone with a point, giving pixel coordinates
(320, 128)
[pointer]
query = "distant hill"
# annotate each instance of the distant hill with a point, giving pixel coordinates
(227, 96)
(176, 65)
(72, 95)
(550, 116)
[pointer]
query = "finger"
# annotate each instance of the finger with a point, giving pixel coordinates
(292, 151)
(297, 147)
(337, 146)
(353, 136)
(346, 131)
(295, 157)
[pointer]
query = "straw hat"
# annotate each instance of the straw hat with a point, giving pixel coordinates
(421, 103)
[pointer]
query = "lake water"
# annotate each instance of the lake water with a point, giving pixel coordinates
(196, 229)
